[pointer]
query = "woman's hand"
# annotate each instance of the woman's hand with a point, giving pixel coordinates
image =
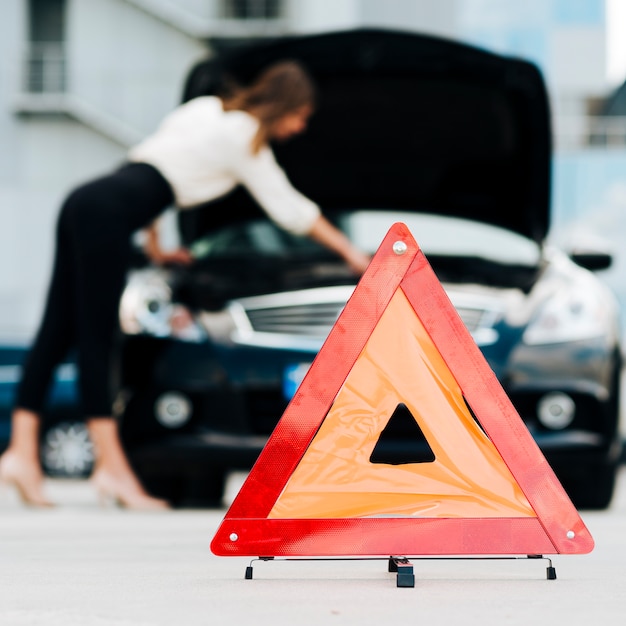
(358, 261)
(181, 256)
(158, 256)
(328, 235)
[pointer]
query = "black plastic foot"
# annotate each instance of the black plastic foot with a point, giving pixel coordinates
(405, 579)
(404, 569)
(249, 572)
(551, 573)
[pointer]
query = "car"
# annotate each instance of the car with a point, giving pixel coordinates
(449, 139)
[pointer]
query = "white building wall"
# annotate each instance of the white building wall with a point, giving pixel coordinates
(126, 63)
(438, 18)
(50, 160)
(323, 15)
(125, 67)
(578, 59)
(127, 60)
(424, 15)
(12, 25)
(197, 9)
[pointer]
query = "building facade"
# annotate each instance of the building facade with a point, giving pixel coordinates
(82, 80)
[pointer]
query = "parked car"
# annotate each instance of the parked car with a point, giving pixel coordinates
(65, 447)
(451, 140)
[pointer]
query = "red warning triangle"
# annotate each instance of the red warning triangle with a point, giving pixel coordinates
(316, 490)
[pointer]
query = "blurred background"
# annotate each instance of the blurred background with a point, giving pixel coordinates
(82, 80)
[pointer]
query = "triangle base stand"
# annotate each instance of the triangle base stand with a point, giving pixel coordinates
(403, 567)
(323, 487)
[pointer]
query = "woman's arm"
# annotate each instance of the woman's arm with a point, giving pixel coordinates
(290, 209)
(157, 255)
(332, 238)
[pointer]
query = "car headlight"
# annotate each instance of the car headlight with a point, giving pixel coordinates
(146, 307)
(569, 315)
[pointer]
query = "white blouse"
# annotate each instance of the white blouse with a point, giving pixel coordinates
(204, 152)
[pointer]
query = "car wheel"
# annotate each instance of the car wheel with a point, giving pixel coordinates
(594, 491)
(67, 450)
(203, 490)
(206, 491)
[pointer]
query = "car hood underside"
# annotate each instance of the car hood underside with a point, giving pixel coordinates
(407, 121)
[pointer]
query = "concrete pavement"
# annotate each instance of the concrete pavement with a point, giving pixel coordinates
(79, 565)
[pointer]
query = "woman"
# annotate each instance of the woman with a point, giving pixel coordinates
(201, 151)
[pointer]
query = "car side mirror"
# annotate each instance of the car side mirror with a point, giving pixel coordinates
(591, 259)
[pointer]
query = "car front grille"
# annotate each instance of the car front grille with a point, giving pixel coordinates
(310, 315)
(315, 319)
(472, 318)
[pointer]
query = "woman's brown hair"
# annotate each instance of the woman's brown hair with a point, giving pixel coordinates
(282, 88)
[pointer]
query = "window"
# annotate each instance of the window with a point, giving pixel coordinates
(44, 63)
(252, 9)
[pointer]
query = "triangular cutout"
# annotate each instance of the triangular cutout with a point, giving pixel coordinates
(402, 441)
(314, 491)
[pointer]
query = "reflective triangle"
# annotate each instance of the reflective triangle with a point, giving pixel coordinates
(315, 490)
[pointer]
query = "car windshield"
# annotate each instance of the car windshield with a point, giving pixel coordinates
(436, 235)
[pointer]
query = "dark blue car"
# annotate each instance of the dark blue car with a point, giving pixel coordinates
(454, 142)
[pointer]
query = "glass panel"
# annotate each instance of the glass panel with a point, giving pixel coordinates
(44, 65)
(252, 9)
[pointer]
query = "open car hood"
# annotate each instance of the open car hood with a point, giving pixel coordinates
(407, 121)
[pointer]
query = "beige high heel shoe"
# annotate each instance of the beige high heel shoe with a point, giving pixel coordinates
(28, 484)
(111, 490)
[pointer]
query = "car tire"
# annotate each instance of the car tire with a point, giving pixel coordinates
(204, 490)
(592, 488)
(594, 491)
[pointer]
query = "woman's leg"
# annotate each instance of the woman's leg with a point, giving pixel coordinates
(93, 247)
(102, 240)
(20, 464)
(113, 477)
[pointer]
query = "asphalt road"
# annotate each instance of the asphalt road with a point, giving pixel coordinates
(81, 565)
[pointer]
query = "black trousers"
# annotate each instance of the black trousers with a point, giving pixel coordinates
(93, 248)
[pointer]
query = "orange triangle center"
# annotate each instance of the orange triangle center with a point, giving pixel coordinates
(335, 477)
